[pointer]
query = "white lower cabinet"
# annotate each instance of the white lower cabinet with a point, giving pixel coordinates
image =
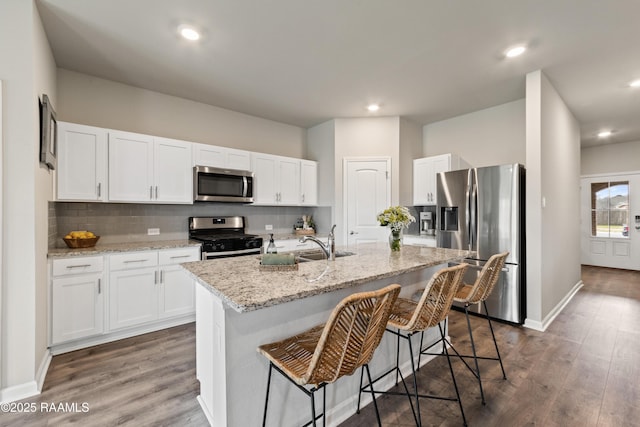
(147, 286)
(77, 299)
(142, 291)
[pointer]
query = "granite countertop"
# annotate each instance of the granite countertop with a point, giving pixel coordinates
(121, 247)
(241, 284)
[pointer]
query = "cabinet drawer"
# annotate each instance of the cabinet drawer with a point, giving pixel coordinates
(131, 260)
(178, 256)
(81, 265)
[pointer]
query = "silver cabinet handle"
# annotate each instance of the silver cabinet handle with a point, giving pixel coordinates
(134, 260)
(156, 192)
(151, 192)
(79, 266)
(155, 277)
(161, 276)
(99, 286)
(99, 189)
(180, 256)
(303, 198)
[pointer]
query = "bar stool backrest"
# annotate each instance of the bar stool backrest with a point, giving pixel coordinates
(487, 278)
(436, 300)
(351, 335)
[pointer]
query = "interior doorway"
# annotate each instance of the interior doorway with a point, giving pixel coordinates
(610, 220)
(367, 192)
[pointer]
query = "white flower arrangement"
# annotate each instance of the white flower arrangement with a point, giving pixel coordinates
(396, 217)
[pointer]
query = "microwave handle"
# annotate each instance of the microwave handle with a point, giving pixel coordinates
(245, 186)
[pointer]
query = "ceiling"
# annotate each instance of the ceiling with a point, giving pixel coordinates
(303, 62)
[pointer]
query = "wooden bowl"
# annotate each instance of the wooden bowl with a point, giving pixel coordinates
(82, 243)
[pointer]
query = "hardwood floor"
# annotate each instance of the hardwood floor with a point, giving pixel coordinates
(583, 371)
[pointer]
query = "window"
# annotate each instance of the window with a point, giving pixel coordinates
(610, 209)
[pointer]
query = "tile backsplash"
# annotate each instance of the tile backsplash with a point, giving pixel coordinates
(124, 222)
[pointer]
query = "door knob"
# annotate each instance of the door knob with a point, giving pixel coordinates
(353, 232)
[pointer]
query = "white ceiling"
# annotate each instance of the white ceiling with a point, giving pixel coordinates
(303, 62)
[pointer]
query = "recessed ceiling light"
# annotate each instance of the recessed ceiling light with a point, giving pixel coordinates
(604, 134)
(635, 83)
(373, 107)
(189, 33)
(514, 51)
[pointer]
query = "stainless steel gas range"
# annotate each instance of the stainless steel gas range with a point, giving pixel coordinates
(223, 236)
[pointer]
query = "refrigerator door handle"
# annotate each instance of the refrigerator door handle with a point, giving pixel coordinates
(473, 232)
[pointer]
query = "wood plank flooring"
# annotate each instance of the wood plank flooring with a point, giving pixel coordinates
(583, 371)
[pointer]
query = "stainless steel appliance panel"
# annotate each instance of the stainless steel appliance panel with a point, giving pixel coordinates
(452, 214)
(507, 301)
(496, 201)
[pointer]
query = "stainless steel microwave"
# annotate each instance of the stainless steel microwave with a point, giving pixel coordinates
(222, 185)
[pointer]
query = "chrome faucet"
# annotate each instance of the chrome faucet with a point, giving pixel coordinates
(330, 248)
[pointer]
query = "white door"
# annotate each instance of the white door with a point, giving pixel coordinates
(133, 298)
(610, 221)
(289, 181)
(367, 184)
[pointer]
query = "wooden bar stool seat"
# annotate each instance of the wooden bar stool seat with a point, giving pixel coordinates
(323, 354)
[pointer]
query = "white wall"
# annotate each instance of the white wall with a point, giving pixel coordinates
(28, 71)
(321, 148)
(93, 101)
(553, 201)
(410, 148)
(611, 158)
(487, 137)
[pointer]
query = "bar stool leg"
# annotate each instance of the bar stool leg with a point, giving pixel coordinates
(415, 381)
(453, 377)
(313, 408)
(495, 343)
(373, 395)
(475, 356)
(360, 389)
(266, 400)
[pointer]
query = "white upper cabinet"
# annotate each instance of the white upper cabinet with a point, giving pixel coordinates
(173, 176)
(221, 157)
(82, 163)
(149, 170)
(277, 180)
(424, 176)
(308, 182)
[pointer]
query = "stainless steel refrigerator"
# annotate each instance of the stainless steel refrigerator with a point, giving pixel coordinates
(483, 210)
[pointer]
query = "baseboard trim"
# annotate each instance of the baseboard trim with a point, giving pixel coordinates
(549, 318)
(18, 392)
(43, 369)
(31, 388)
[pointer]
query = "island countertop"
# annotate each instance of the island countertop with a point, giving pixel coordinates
(240, 283)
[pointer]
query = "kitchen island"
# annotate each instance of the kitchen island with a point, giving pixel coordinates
(239, 307)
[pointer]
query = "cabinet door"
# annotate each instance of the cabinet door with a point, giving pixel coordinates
(308, 183)
(289, 181)
(176, 295)
(424, 178)
(265, 187)
(77, 307)
(173, 176)
(82, 163)
(421, 181)
(130, 167)
(209, 155)
(133, 297)
(439, 164)
(238, 159)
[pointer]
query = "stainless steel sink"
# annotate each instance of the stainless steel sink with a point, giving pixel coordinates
(316, 256)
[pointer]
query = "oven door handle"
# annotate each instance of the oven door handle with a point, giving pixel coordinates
(214, 255)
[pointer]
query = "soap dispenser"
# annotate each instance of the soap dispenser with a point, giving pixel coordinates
(271, 248)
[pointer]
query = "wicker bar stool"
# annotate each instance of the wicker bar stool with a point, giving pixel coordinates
(478, 293)
(410, 317)
(327, 352)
